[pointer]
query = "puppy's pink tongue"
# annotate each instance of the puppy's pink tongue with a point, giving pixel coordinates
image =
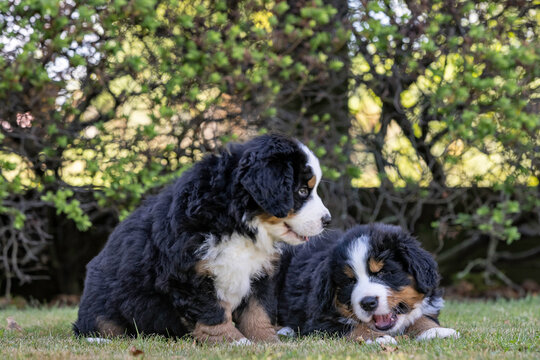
(384, 321)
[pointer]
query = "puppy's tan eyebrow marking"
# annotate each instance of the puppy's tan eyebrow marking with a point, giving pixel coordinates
(311, 182)
(348, 271)
(375, 265)
(408, 295)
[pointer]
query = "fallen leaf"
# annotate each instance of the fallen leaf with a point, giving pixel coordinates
(360, 340)
(135, 352)
(388, 347)
(12, 324)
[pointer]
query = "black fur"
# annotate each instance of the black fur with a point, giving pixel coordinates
(311, 276)
(144, 279)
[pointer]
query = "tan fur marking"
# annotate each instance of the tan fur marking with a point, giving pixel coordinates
(202, 269)
(311, 182)
(225, 332)
(343, 309)
(362, 332)
(108, 328)
(255, 324)
(420, 326)
(267, 218)
(407, 295)
(271, 219)
(275, 264)
(348, 271)
(375, 265)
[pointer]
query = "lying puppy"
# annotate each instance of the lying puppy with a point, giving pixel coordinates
(199, 255)
(372, 282)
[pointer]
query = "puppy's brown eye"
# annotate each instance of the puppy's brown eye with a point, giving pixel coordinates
(303, 192)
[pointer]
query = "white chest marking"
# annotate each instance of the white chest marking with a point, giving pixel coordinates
(235, 261)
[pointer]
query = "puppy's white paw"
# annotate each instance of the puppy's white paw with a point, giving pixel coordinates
(438, 332)
(242, 342)
(98, 340)
(386, 339)
(287, 332)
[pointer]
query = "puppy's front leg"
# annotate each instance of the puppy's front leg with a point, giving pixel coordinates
(426, 329)
(254, 323)
(362, 332)
(224, 332)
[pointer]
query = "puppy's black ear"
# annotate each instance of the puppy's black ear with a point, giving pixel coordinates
(267, 174)
(270, 184)
(420, 264)
(321, 296)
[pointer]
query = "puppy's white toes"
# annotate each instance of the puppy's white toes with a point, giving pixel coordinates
(286, 331)
(242, 342)
(98, 340)
(386, 339)
(438, 332)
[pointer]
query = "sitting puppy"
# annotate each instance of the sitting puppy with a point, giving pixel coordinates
(199, 255)
(372, 282)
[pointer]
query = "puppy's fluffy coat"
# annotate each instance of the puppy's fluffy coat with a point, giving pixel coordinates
(199, 255)
(372, 282)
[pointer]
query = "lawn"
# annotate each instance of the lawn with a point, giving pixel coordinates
(495, 329)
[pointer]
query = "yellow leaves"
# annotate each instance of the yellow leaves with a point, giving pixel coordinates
(456, 147)
(263, 20)
(533, 181)
(409, 98)
(417, 131)
(359, 65)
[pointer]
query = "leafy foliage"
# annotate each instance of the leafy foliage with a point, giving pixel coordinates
(105, 100)
(457, 85)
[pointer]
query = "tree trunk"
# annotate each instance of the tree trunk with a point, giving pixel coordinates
(319, 114)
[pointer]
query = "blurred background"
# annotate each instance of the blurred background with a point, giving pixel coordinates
(423, 113)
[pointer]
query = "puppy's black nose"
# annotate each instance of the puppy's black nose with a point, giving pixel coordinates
(369, 303)
(326, 220)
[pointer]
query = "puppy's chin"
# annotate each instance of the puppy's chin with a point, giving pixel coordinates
(285, 233)
(284, 229)
(293, 238)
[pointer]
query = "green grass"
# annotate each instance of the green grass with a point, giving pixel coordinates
(500, 329)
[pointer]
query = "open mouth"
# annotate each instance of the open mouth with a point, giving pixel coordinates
(292, 232)
(385, 322)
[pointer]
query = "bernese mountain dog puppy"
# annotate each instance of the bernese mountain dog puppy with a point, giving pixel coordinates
(372, 282)
(198, 257)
